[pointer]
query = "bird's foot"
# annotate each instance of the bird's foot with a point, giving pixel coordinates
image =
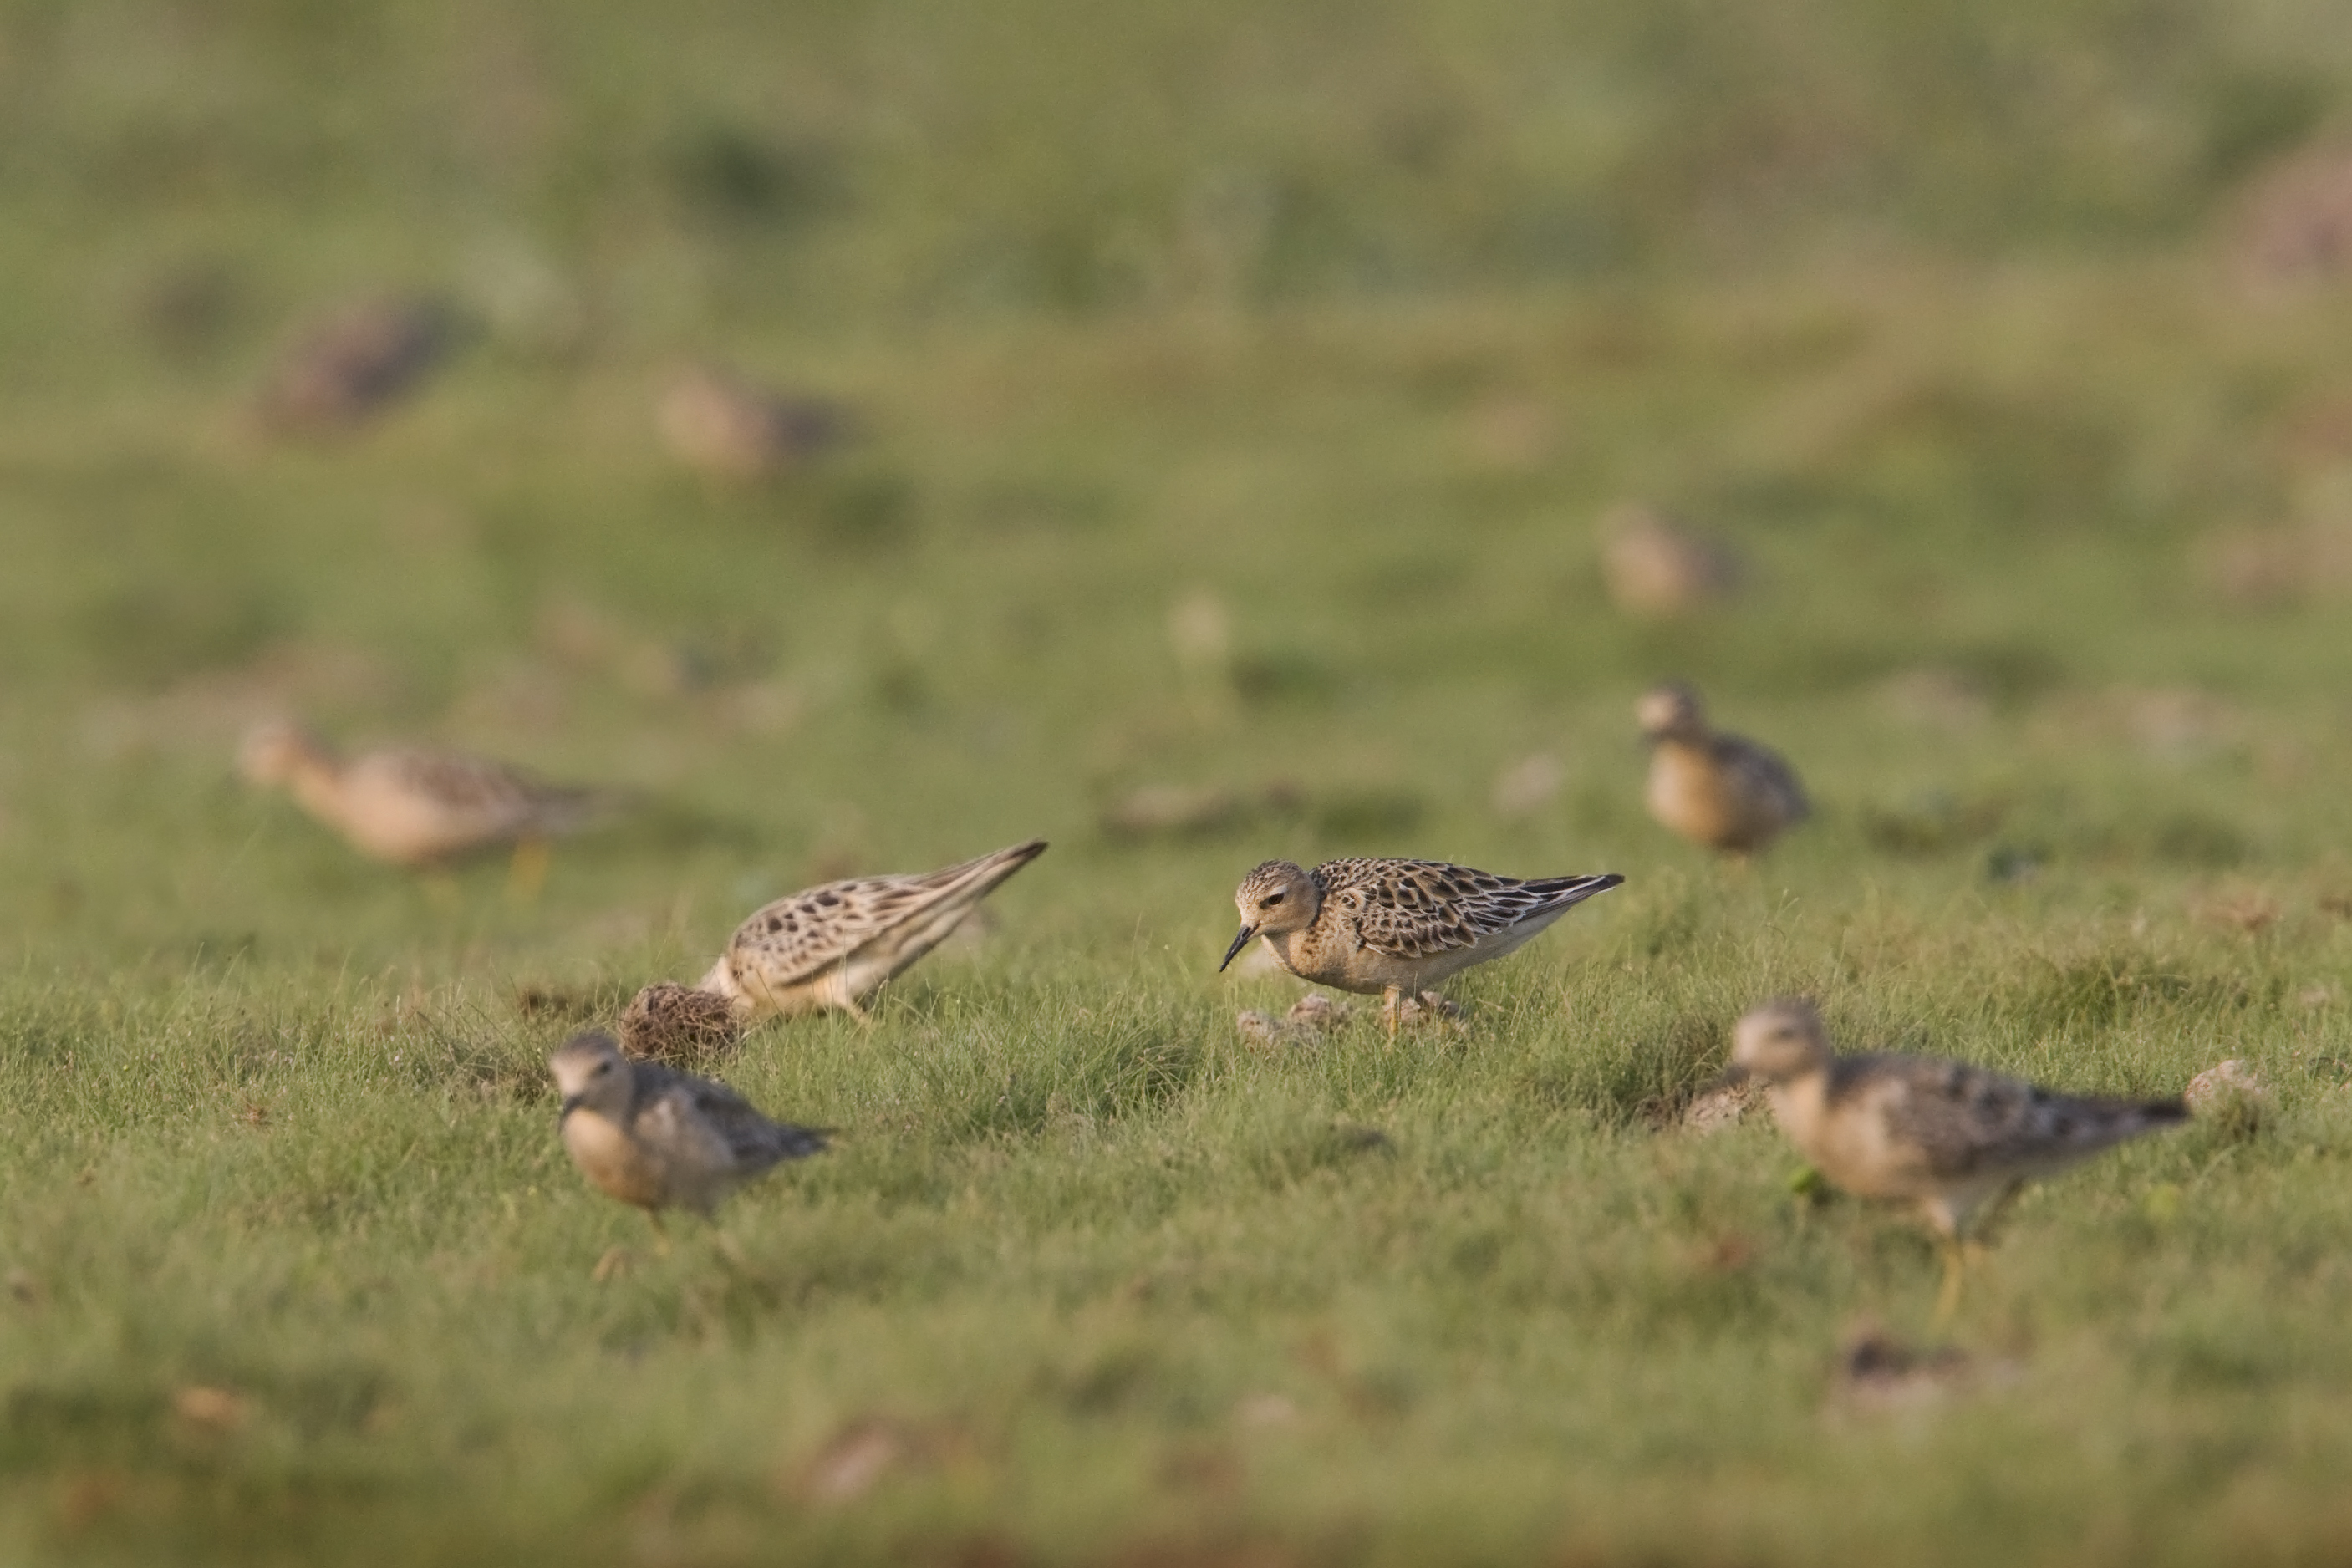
(615, 1264)
(1426, 1008)
(1947, 1300)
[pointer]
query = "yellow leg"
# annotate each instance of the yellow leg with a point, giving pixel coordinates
(661, 1233)
(1392, 1009)
(612, 1266)
(526, 873)
(1956, 1269)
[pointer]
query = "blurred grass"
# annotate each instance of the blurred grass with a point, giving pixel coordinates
(1345, 323)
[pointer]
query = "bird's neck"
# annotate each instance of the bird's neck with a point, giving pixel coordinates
(721, 982)
(1798, 1104)
(1290, 945)
(315, 778)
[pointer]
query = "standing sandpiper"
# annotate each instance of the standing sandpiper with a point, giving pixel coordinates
(655, 1138)
(1393, 927)
(1953, 1139)
(416, 807)
(1725, 791)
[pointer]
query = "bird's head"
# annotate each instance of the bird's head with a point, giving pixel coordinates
(592, 1074)
(1277, 896)
(1670, 711)
(1778, 1042)
(274, 750)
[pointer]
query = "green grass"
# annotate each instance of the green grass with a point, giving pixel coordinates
(1350, 320)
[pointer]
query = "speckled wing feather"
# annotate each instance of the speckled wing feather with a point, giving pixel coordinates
(1413, 909)
(498, 798)
(1967, 1122)
(798, 937)
(1763, 773)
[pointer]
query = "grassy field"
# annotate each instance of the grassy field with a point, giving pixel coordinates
(1334, 328)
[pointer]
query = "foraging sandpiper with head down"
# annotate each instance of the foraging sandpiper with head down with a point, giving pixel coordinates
(1393, 927)
(416, 807)
(1657, 567)
(1953, 1139)
(723, 424)
(834, 945)
(656, 1138)
(352, 365)
(1725, 791)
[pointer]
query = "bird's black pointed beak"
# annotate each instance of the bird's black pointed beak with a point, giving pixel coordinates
(1240, 942)
(571, 1103)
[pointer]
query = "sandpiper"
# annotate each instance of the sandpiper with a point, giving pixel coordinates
(656, 1138)
(1393, 927)
(356, 362)
(1953, 1139)
(720, 423)
(834, 945)
(416, 807)
(1657, 567)
(1725, 791)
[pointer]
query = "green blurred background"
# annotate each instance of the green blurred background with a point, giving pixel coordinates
(1995, 338)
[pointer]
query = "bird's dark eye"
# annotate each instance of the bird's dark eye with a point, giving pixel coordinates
(1271, 900)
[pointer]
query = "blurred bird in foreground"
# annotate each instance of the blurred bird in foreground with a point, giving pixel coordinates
(1955, 1139)
(416, 807)
(721, 424)
(1392, 926)
(1723, 791)
(656, 1138)
(1656, 567)
(833, 946)
(354, 364)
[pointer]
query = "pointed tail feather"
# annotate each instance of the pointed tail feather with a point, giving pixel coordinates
(2087, 1126)
(984, 873)
(797, 1142)
(1561, 892)
(771, 1143)
(953, 893)
(569, 811)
